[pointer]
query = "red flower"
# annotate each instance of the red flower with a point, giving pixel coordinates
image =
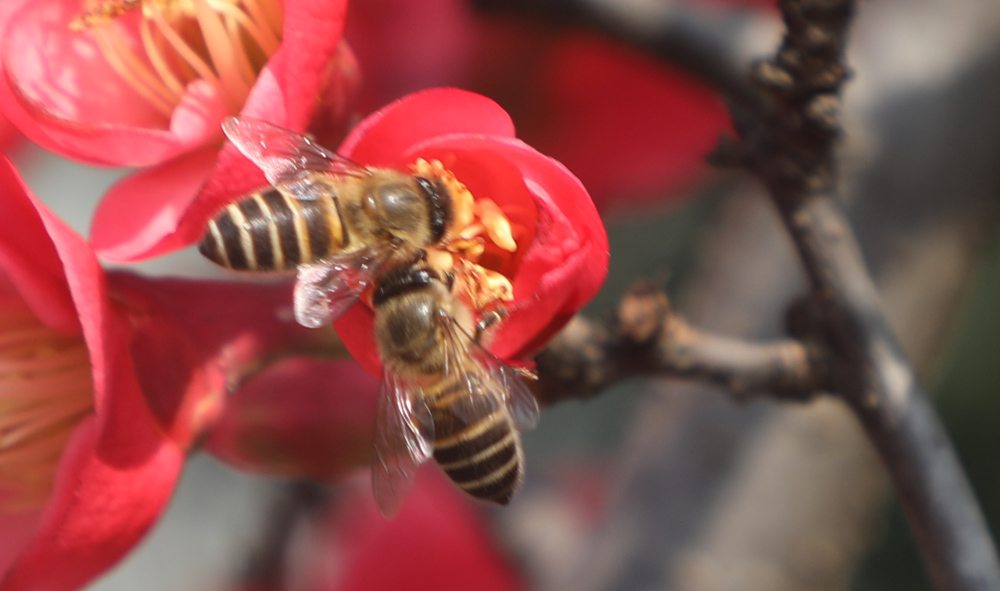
(105, 383)
(195, 342)
(84, 466)
(635, 129)
(438, 541)
(150, 86)
(289, 421)
(561, 257)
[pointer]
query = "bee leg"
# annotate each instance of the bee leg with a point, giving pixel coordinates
(488, 321)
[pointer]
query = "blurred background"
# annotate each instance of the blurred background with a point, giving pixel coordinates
(657, 484)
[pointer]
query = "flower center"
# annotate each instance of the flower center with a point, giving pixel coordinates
(223, 42)
(479, 226)
(46, 389)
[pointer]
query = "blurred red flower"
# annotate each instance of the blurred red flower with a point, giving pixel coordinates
(302, 418)
(635, 129)
(150, 86)
(438, 541)
(561, 258)
(84, 466)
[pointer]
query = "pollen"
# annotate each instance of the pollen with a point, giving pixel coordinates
(476, 223)
(172, 43)
(46, 389)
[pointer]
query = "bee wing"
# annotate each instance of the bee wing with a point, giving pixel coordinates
(287, 158)
(404, 431)
(325, 290)
(489, 381)
(520, 402)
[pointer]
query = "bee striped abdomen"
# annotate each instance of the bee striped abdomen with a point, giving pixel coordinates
(477, 447)
(270, 231)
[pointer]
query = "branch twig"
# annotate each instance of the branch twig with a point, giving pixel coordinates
(791, 148)
(650, 338)
(267, 565)
(788, 126)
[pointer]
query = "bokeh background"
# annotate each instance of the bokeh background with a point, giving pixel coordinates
(661, 484)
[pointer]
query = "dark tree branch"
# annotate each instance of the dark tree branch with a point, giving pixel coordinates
(648, 338)
(788, 123)
(791, 148)
(267, 565)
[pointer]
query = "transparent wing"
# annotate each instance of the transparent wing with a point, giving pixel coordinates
(404, 432)
(325, 290)
(287, 158)
(520, 401)
(500, 377)
(488, 381)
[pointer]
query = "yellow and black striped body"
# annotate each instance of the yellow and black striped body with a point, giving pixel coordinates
(475, 440)
(480, 451)
(271, 231)
(274, 230)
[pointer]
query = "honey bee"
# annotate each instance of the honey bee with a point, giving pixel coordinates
(413, 239)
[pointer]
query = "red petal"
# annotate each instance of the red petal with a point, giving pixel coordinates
(193, 339)
(62, 94)
(438, 541)
(292, 82)
(17, 530)
(357, 329)
(118, 469)
(628, 125)
(566, 264)
(114, 480)
(307, 419)
(29, 258)
(383, 136)
(139, 217)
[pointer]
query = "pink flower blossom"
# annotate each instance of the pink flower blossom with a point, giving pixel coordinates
(106, 381)
(150, 86)
(84, 466)
(438, 541)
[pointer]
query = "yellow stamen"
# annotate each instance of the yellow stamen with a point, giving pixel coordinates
(265, 38)
(496, 224)
(223, 42)
(184, 51)
(222, 49)
(484, 287)
(155, 52)
(46, 389)
(102, 13)
(474, 221)
(124, 65)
